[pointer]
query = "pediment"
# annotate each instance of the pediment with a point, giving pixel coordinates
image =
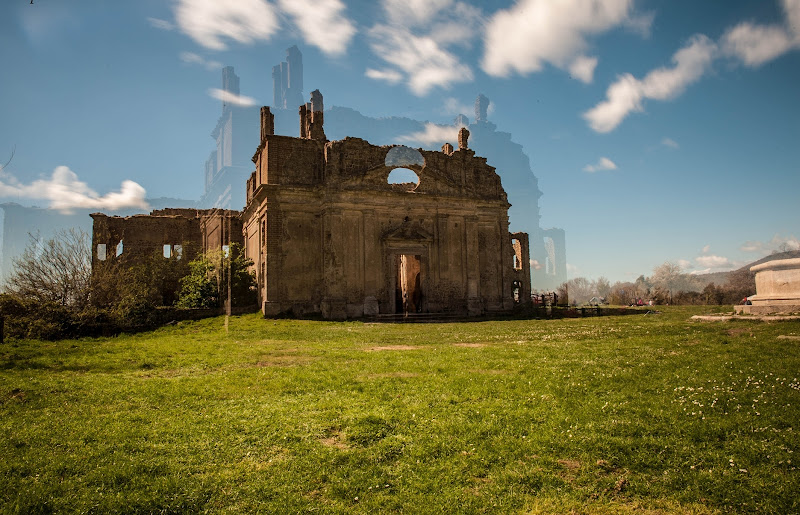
(408, 231)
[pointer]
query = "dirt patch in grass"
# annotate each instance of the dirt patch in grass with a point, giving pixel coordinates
(789, 337)
(15, 395)
(606, 506)
(471, 345)
(396, 347)
(393, 374)
(335, 441)
(489, 371)
(739, 330)
(570, 464)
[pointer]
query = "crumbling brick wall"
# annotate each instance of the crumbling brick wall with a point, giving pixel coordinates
(326, 230)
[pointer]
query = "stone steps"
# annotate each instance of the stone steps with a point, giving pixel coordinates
(398, 318)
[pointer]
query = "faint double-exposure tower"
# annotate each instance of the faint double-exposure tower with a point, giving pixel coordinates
(229, 164)
(287, 81)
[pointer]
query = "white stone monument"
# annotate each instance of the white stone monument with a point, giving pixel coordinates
(777, 288)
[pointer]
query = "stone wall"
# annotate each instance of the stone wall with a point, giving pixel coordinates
(170, 232)
(326, 230)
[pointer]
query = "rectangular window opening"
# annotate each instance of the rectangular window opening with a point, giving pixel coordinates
(101, 251)
(167, 251)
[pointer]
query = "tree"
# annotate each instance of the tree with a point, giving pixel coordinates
(56, 271)
(199, 289)
(667, 279)
(713, 295)
(207, 282)
(602, 287)
(580, 290)
(741, 284)
(49, 287)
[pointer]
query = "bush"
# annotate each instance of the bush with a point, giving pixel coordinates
(206, 284)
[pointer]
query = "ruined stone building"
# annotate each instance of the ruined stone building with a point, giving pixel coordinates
(22, 226)
(237, 133)
(330, 233)
(173, 232)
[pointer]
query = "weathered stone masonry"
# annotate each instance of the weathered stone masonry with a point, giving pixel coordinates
(172, 232)
(329, 234)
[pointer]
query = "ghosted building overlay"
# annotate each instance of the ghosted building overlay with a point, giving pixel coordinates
(237, 134)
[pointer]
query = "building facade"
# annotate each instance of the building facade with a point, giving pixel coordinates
(329, 231)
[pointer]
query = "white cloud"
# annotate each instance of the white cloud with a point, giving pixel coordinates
(160, 24)
(208, 22)
(706, 249)
(433, 134)
(66, 192)
(778, 243)
(426, 64)
(322, 23)
(388, 75)
(755, 45)
(713, 261)
(685, 264)
(192, 58)
(415, 43)
(603, 164)
(669, 142)
(752, 44)
(531, 33)
(231, 98)
(582, 68)
(535, 265)
(628, 92)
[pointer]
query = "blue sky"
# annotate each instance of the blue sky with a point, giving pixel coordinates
(658, 130)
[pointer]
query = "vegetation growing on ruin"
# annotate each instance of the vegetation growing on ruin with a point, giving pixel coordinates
(53, 292)
(650, 413)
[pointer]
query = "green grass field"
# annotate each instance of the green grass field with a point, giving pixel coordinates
(638, 413)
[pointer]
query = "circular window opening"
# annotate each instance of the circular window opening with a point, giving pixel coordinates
(403, 179)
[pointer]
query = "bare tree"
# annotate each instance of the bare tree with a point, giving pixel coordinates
(602, 287)
(57, 270)
(580, 290)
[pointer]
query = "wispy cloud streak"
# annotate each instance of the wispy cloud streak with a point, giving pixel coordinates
(231, 98)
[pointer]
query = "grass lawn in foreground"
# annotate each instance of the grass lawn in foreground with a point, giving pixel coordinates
(644, 413)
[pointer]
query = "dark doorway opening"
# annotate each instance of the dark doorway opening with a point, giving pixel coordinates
(408, 292)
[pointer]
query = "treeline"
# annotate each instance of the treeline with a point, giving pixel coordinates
(667, 285)
(53, 293)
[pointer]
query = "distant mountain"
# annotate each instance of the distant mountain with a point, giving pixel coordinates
(789, 254)
(720, 278)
